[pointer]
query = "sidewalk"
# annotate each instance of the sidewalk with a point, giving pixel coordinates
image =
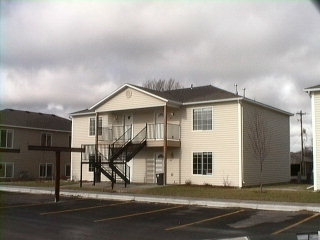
(127, 194)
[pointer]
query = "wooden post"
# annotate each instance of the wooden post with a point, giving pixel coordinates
(165, 144)
(58, 151)
(57, 183)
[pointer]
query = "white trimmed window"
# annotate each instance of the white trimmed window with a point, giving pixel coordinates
(202, 163)
(46, 139)
(46, 170)
(6, 170)
(6, 138)
(202, 119)
(92, 126)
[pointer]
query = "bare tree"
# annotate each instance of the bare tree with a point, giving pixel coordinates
(259, 137)
(162, 85)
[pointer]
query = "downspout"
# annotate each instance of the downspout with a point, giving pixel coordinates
(165, 143)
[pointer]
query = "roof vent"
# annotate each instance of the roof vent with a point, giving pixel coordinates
(191, 86)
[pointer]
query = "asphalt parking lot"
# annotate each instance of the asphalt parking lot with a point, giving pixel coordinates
(28, 216)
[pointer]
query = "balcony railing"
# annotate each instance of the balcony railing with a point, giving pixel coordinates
(154, 132)
(113, 133)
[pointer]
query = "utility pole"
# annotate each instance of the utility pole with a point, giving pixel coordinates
(302, 152)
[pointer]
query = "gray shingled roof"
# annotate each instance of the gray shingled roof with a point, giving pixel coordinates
(194, 94)
(185, 96)
(28, 119)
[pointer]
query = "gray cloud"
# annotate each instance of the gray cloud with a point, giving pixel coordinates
(60, 57)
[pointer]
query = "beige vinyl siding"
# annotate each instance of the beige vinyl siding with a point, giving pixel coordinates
(141, 118)
(137, 100)
(27, 163)
(173, 164)
(138, 165)
(222, 141)
(276, 167)
(80, 135)
(316, 131)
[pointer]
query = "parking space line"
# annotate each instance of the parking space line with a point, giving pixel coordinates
(204, 220)
(85, 208)
(296, 224)
(139, 214)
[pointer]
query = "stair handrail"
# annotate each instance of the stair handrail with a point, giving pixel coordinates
(122, 137)
(143, 132)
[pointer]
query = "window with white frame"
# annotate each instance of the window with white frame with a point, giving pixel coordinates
(202, 163)
(6, 138)
(46, 170)
(92, 126)
(202, 118)
(46, 139)
(6, 170)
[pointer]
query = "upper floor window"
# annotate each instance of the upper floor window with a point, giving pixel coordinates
(6, 138)
(46, 139)
(92, 126)
(202, 119)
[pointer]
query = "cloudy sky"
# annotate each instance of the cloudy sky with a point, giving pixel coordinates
(60, 57)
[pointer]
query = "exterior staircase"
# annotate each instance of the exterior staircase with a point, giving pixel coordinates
(114, 166)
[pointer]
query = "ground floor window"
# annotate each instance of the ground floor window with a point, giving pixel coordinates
(92, 159)
(6, 170)
(202, 163)
(68, 170)
(46, 170)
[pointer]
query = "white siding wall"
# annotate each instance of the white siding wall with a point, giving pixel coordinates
(80, 135)
(315, 101)
(173, 166)
(222, 141)
(276, 167)
(124, 101)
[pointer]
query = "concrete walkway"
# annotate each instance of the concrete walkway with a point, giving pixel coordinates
(120, 195)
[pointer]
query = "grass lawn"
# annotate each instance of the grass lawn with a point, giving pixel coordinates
(276, 193)
(268, 194)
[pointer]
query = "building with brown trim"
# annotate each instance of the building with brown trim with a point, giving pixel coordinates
(18, 130)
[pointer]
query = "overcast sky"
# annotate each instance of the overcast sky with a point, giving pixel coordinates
(60, 57)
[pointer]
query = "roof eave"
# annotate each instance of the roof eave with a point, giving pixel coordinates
(81, 114)
(35, 128)
(212, 101)
(309, 90)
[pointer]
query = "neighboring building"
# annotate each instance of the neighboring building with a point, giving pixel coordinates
(198, 135)
(22, 128)
(314, 93)
(306, 165)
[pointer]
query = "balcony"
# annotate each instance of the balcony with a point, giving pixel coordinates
(155, 134)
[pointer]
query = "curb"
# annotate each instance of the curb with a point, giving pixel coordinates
(270, 206)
